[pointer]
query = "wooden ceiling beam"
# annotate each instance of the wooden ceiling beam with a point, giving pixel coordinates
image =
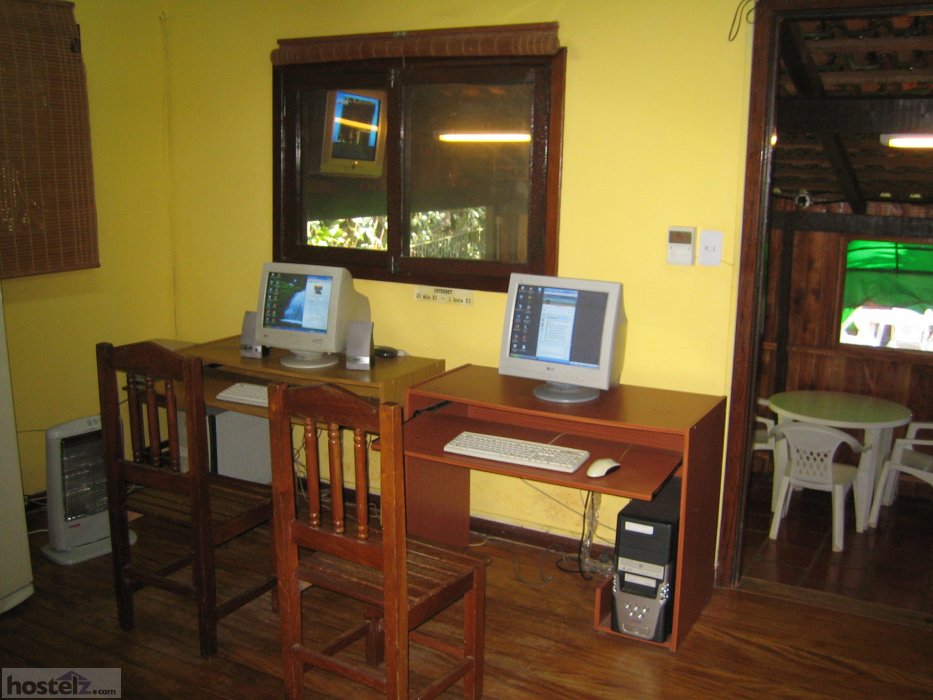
(855, 115)
(868, 226)
(806, 78)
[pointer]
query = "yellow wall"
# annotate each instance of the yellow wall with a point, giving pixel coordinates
(53, 321)
(181, 125)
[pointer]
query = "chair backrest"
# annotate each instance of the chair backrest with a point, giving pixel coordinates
(157, 385)
(811, 449)
(340, 412)
(916, 450)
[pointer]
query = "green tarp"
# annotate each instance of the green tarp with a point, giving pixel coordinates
(888, 274)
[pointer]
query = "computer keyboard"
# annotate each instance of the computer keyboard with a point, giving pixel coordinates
(242, 392)
(530, 454)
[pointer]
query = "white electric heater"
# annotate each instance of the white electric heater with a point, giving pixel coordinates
(79, 527)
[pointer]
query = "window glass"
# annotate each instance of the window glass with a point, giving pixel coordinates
(342, 165)
(888, 295)
(470, 158)
(427, 171)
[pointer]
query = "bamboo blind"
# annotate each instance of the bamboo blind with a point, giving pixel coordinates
(504, 40)
(48, 219)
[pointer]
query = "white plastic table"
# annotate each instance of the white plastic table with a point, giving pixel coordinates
(876, 417)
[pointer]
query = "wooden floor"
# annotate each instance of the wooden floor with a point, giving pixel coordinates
(888, 567)
(539, 640)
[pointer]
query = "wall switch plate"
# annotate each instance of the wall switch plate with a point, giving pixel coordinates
(710, 249)
(680, 244)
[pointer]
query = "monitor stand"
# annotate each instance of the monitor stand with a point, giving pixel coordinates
(559, 392)
(310, 360)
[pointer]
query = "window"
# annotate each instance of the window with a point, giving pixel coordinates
(48, 219)
(888, 295)
(424, 169)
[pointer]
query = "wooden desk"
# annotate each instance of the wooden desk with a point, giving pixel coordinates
(653, 433)
(387, 380)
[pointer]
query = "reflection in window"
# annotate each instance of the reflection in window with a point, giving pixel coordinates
(454, 233)
(433, 171)
(888, 295)
(470, 156)
(360, 232)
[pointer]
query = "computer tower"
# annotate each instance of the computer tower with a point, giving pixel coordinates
(238, 445)
(644, 573)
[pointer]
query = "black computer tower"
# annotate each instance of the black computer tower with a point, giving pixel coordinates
(645, 557)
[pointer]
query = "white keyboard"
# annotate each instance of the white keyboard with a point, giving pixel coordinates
(530, 454)
(241, 392)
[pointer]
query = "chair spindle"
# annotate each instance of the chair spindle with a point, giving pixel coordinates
(335, 452)
(312, 472)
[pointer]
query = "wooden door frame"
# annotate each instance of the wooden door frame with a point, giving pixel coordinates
(769, 16)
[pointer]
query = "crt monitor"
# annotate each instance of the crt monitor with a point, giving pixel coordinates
(306, 310)
(568, 332)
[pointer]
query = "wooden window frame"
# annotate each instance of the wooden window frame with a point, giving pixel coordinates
(382, 61)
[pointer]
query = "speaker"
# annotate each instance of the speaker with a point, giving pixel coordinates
(249, 347)
(360, 350)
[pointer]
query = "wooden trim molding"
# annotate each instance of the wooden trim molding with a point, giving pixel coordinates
(504, 40)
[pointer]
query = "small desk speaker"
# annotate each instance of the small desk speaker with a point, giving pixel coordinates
(360, 349)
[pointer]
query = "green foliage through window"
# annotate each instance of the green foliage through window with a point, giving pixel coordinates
(458, 233)
(361, 232)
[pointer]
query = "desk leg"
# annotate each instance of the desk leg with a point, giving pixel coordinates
(437, 502)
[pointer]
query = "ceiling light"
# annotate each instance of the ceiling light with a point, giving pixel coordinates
(488, 137)
(907, 140)
(354, 124)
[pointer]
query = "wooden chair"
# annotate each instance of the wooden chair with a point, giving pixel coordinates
(165, 414)
(400, 582)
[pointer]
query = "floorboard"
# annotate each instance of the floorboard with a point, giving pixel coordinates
(539, 640)
(885, 571)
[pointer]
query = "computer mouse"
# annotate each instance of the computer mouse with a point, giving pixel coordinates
(601, 467)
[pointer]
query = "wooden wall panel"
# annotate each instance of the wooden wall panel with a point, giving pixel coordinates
(905, 381)
(808, 301)
(920, 392)
(815, 289)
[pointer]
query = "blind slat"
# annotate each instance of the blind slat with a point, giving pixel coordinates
(48, 217)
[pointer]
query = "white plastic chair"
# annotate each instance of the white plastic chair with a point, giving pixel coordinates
(810, 452)
(903, 460)
(763, 440)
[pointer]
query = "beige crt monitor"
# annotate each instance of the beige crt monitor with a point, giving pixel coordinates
(307, 310)
(570, 333)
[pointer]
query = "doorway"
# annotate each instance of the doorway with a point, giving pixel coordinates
(770, 16)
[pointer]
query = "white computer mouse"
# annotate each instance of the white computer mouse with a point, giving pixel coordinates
(601, 467)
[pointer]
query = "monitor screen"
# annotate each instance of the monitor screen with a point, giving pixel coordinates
(306, 310)
(354, 133)
(567, 332)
